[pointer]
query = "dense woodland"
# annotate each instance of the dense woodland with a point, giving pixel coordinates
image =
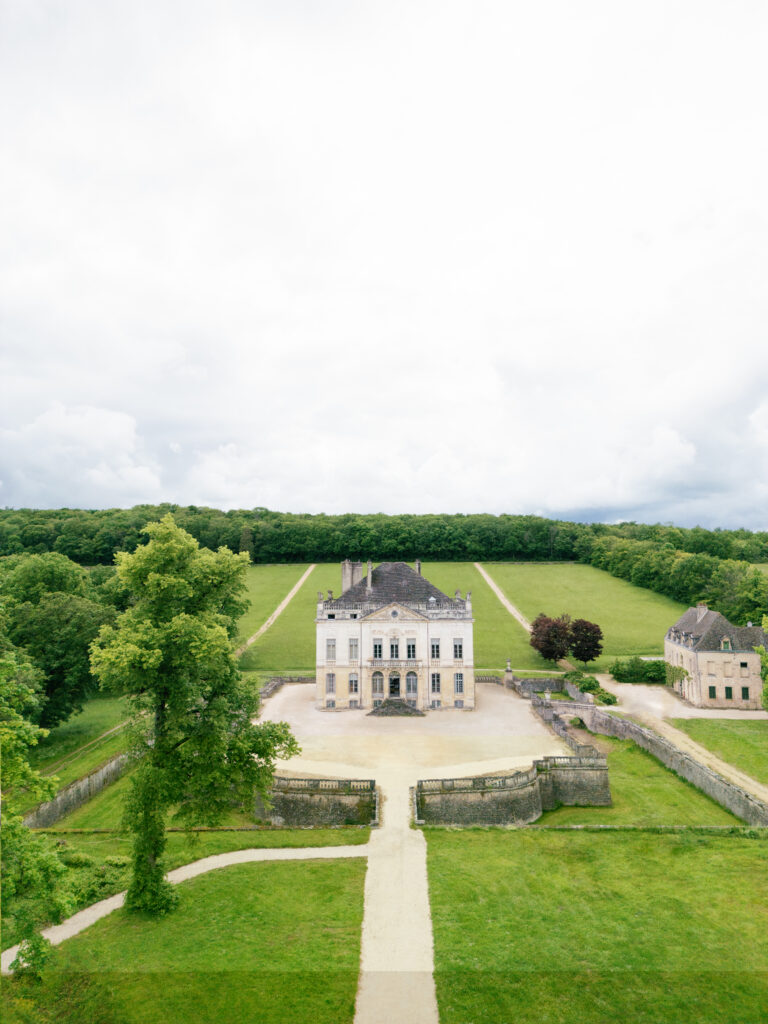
(717, 566)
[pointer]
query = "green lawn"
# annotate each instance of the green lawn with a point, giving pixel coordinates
(644, 792)
(288, 647)
(267, 586)
(497, 634)
(743, 744)
(98, 716)
(255, 942)
(633, 620)
(575, 928)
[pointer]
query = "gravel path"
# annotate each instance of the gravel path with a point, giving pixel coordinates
(84, 918)
(514, 612)
(652, 705)
(277, 612)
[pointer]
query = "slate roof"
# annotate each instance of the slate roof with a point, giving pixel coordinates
(393, 581)
(708, 631)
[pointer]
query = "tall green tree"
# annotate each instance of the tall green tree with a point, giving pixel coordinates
(31, 872)
(171, 652)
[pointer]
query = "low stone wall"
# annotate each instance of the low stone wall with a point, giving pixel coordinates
(489, 679)
(551, 712)
(320, 803)
(516, 799)
(274, 684)
(727, 794)
(527, 687)
(77, 793)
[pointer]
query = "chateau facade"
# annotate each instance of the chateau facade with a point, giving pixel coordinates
(392, 634)
(721, 664)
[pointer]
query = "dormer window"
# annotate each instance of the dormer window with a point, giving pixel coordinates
(725, 644)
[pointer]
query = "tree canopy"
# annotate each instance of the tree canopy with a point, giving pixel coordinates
(171, 652)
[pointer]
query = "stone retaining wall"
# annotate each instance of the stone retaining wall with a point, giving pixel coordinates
(516, 799)
(77, 793)
(727, 794)
(274, 684)
(320, 803)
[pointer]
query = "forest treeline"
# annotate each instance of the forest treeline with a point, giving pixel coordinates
(717, 566)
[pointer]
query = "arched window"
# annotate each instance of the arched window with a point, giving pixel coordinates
(378, 682)
(411, 683)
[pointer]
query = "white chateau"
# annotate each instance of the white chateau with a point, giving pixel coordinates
(392, 634)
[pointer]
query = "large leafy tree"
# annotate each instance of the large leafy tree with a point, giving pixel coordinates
(31, 872)
(586, 640)
(171, 652)
(551, 637)
(56, 633)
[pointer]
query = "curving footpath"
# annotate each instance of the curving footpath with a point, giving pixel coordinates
(84, 918)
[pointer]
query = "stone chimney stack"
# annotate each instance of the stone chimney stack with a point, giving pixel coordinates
(369, 580)
(357, 572)
(346, 575)
(418, 566)
(701, 611)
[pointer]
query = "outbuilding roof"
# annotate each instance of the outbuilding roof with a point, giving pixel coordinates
(706, 629)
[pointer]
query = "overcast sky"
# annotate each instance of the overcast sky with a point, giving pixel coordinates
(382, 256)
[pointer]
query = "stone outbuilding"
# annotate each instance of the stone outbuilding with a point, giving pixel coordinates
(722, 666)
(393, 634)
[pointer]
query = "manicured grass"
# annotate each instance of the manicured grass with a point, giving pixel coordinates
(288, 646)
(574, 928)
(743, 744)
(268, 585)
(98, 716)
(644, 792)
(497, 634)
(633, 620)
(255, 942)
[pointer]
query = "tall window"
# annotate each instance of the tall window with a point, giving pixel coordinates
(435, 682)
(353, 683)
(458, 682)
(712, 692)
(394, 649)
(729, 693)
(330, 650)
(354, 650)
(330, 683)
(411, 683)
(745, 693)
(411, 649)
(378, 682)
(458, 649)
(435, 649)
(377, 645)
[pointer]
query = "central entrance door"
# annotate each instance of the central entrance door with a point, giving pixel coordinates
(394, 685)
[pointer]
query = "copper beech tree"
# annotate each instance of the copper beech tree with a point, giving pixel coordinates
(198, 752)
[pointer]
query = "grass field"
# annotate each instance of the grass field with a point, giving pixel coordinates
(267, 586)
(644, 792)
(743, 744)
(556, 928)
(98, 716)
(633, 620)
(497, 635)
(244, 945)
(289, 645)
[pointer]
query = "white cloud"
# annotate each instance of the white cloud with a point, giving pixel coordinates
(386, 256)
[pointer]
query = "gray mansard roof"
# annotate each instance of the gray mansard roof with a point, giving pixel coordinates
(393, 581)
(703, 630)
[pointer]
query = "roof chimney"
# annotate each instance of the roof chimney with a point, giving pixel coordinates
(418, 566)
(346, 575)
(369, 580)
(701, 611)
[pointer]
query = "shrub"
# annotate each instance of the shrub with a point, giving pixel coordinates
(76, 859)
(635, 670)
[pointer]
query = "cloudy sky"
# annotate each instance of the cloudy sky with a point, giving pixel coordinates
(348, 255)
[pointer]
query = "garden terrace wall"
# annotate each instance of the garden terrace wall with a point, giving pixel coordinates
(516, 799)
(727, 794)
(319, 803)
(274, 684)
(78, 793)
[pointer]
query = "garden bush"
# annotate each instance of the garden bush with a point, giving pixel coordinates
(635, 670)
